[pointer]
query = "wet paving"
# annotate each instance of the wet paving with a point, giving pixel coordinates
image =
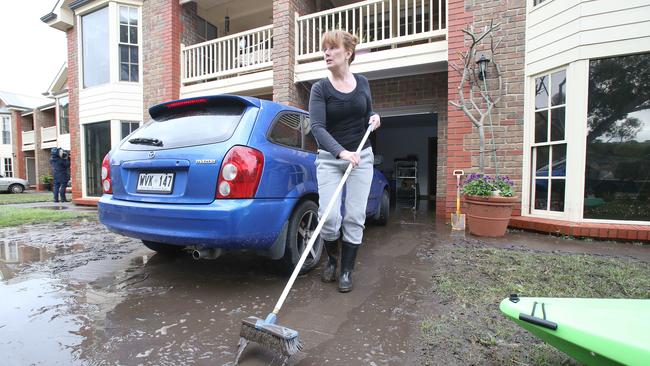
(75, 294)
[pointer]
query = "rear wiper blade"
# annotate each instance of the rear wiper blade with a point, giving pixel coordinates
(146, 141)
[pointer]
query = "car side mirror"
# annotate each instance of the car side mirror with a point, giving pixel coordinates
(379, 159)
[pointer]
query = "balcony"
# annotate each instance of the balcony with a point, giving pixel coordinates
(48, 137)
(240, 61)
(28, 140)
(396, 37)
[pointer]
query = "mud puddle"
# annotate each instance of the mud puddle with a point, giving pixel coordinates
(79, 295)
(76, 294)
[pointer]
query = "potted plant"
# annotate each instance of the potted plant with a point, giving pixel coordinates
(489, 202)
(489, 199)
(47, 181)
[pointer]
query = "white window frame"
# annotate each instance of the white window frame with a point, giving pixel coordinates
(58, 114)
(8, 167)
(113, 39)
(129, 44)
(549, 108)
(574, 136)
(2, 129)
(122, 122)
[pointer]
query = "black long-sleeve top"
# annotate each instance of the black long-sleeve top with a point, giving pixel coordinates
(339, 120)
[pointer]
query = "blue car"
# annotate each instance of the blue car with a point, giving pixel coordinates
(219, 173)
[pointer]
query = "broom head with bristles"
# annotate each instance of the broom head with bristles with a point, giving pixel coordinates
(265, 332)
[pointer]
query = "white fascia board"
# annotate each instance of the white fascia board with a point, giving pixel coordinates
(255, 82)
(429, 53)
(59, 80)
(61, 17)
(94, 5)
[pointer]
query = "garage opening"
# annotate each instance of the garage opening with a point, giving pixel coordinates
(408, 145)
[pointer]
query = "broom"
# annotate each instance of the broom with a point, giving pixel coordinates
(266, 332)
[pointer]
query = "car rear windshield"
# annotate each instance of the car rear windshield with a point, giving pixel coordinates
(205, 125)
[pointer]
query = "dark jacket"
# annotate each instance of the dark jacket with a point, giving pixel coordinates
(60, 167)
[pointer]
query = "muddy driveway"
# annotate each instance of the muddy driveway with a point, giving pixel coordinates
(74, 293)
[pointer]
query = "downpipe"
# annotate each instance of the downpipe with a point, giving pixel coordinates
(206, 253)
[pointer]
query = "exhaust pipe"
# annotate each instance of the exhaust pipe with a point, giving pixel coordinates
(206, 253)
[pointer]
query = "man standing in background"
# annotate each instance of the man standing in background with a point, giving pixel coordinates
(60, 163)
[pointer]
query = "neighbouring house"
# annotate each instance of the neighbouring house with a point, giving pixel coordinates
(573, 127)
(26, 126)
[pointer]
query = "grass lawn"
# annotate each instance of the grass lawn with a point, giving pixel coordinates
(8, 198)
(470, 280)
(10, 216)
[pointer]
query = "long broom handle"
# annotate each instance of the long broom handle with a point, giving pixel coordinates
(321, 222)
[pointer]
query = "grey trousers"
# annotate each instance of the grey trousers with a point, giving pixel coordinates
(329, 171)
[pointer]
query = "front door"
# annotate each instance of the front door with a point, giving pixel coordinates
(97, 144)
(30, 163)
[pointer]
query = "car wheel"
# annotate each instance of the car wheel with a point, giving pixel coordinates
(16, 188)
(384, 209)
(162, 248)
(302, 224)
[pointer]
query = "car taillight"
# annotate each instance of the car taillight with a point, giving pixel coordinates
(240, 173)
(107, 185)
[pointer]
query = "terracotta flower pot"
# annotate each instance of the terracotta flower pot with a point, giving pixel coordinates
(489, 216)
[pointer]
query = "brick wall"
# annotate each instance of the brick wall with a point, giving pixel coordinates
(161, 20)
(73, 114)
(284, 90)
(17, 139)
(189, 24)
(462, 137)
(42, 119)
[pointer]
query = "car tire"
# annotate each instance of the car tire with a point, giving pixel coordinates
(302, 223)
(162, 248)
(384, 209)
(16, 188)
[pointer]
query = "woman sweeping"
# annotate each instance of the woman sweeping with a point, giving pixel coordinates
(340, 110)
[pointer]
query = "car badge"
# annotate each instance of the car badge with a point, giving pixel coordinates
(206, 161)
(152, 154)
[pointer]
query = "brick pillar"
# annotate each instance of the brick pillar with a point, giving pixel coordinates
(73, 115)
(161, 51)
(17, 138)
(458, 125)
(284, 90)
(284, 55)
(41, 119)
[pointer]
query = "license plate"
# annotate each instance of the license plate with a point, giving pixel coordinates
(155, 182)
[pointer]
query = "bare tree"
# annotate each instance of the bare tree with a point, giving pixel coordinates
(478, 111)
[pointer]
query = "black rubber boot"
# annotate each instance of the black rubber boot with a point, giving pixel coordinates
(329, 272)
(348, 257)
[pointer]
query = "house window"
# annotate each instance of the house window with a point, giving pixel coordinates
(8, 167)
(128, 127)
(549, 148)
(205, 31)
(617, 172)
(5, 127)
(64, 125)
(95, 48)
(128, 44)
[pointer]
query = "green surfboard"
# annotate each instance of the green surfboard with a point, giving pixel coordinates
(592, 331)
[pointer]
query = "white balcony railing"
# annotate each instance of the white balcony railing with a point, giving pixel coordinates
(28, 138)
(376, 23)
(237, 53)
(48, 134)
